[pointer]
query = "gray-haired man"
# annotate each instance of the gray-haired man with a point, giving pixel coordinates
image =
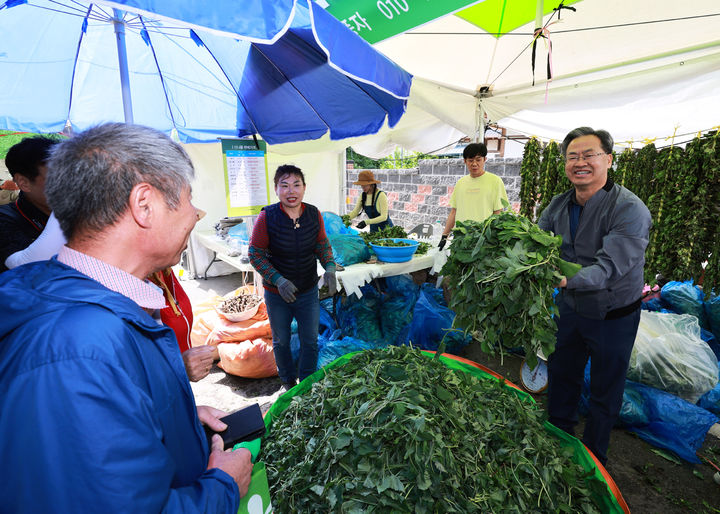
(97, 408)
(604, 228)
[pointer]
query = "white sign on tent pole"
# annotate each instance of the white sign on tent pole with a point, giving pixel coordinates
(246, 176)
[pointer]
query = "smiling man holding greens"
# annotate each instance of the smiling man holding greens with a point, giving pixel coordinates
(605, 228)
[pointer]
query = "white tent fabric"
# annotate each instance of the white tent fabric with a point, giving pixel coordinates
(640, 69)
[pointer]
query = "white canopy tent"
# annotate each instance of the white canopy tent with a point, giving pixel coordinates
(640, 69)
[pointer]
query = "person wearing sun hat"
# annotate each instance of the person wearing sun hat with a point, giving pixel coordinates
(373, 202)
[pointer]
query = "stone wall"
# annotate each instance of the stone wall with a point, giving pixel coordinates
(422, 194)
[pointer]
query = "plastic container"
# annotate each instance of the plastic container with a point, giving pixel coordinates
(395, 253)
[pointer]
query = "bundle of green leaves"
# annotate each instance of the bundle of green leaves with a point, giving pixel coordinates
(502, 273)
(423, 247)
(391, 232)
(390, 243)
(386, 233)
(395, 431)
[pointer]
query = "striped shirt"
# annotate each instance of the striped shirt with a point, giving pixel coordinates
(143, 293)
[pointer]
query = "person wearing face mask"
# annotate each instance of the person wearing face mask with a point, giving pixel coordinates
(373, 202)
(604, 228)
(476, 196)
(287, 241)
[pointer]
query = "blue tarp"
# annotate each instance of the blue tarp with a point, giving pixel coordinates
(431, 322)
(662, 419)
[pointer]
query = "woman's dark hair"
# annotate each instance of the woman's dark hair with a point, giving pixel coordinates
(606, 140)
(288, 169)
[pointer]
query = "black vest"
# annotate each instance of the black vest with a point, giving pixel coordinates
(291, 249)
(373, 212)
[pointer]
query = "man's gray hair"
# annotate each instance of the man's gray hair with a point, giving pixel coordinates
(91, 175)
(606, 140)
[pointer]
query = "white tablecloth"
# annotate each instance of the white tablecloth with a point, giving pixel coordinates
(357, 275)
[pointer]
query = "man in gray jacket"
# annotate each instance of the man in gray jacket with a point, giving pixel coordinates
(604, 228)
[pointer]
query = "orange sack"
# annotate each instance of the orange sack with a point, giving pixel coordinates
(211, 328)
(249, 359)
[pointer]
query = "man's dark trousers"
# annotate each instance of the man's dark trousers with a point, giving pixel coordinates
(609, 343)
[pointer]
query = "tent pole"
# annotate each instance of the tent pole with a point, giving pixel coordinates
(539, 14)
(123, 64)
(479, 136)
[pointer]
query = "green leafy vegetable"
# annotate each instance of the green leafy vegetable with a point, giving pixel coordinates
(423, 247)
(386, 233)
(530, 177)
(390, 243)
(502, 274)
(395, 231)
(394, 431)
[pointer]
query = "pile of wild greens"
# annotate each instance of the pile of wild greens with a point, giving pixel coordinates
(390, 243)
(385, 233)
(395, 431)
(502, 273)
(396, 231)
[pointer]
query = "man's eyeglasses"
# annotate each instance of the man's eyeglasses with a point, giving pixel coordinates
(585, 157)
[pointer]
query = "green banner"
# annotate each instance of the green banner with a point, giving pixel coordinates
(375, 20)
(499, 17)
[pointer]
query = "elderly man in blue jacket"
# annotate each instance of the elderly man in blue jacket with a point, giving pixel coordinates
(604, 228)
(97, 411)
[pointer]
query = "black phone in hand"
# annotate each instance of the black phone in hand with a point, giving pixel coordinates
(245, 424)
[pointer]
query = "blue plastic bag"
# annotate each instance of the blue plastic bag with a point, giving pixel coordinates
(333, 223)
(401, 285)
(239, 233)
(436, 293)
(685, 298)
(398, 304)
(659, 418)
(655, 305)
(360, 317)
(712, 341)
(711, 400)
(430, 324)
(674, 424)
(712, 312)
(396, 313)
(348, 249)
(330, 349)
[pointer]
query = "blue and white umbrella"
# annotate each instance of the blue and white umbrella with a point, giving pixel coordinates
(283, 69)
